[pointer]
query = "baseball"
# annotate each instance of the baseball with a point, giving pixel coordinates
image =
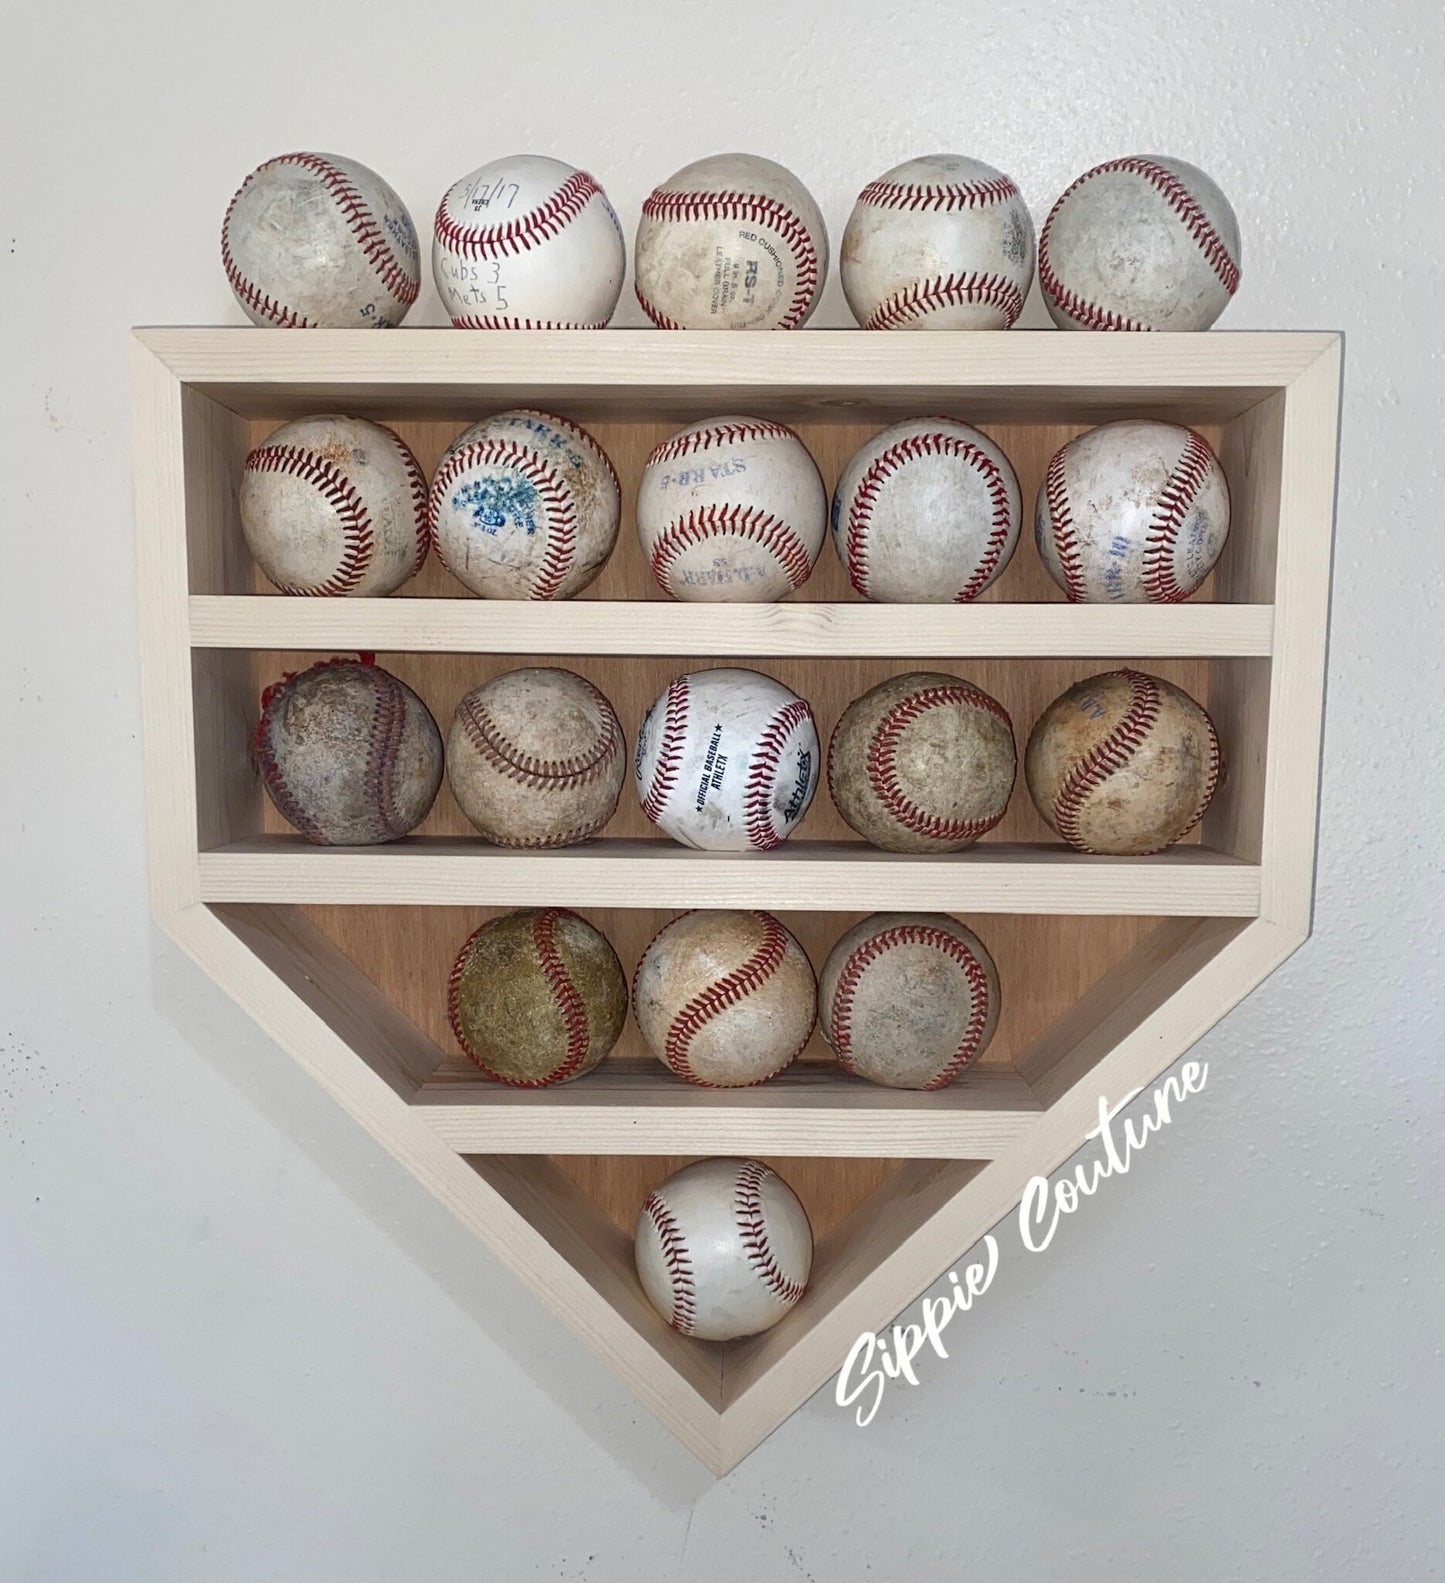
(528, 243)
(938, 243)
(315, 241)
(349, 755)
(908, 999)
(922, 763)
(926, 512)
(334, 506)
(731, 509)
(524, 505)
(724, 1249)
(1122, 763)
(726, 761)
(725, 999)
(1141, 243)
(535, 758)
(1132, 513)
(537, 997)
(732, 242)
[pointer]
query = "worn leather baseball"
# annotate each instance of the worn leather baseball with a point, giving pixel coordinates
(723, 1248)
(908, 999)
(537, 997)
(923, 762)
(1122, 763)
(725, 999)
(536, 758)
(349, 755)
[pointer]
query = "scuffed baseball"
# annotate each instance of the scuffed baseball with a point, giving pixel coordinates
(333, 505)
(537, 997)
(923, 762)
(731, 509)
(535, 758)
(726, 761)
(1134, 512)
(730, 242)
(724, 1249)
(938, 243)
(1141, 243)
(1123, 763)
(524, 505)
(725, 999)
(926, 512)
(908, 999)
(528, 243)
(349, 755)
(316, 241)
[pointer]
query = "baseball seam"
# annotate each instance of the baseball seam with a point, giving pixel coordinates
(672, 1246)
(1180, 491)
(548, 219)
(922, 297)
(1211, 778)
(717, 434)
(753, 1227)
(417, 484)
(264, 757)
(388, 723)
(763, 773)
(1107, 757)
(749, 523)
(528, 769)
(504, 322)
(1061, 522)
(337, 490)
(669, 750)
(948, 195)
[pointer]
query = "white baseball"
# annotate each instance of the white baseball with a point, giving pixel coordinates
(726, 761)
(938, 243)
(926, 512)
(1133, 513)
(731, 242)
(314, 240)
(724, 1249)
(908, 1000)
(1142, 243)
(528, 243)
(524, 505)
(334, 505)
(731, 509)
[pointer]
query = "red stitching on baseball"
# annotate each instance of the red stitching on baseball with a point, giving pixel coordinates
(1211, 778)
(950, 195)
(882, 765)
(264, 757)
(673, 1247)
(748, 1211)
(502, 322)
(882, 467)
(737, 522)
(669, 750)
(1180, 491)
(1061, 521)
(416, 481)
(578, 433)
(762, 774)
(551, 216)
(923, 297)
(1109, 756)
(660, 319)
(388, 722)
(337, 490)
(868, 952)
(526, 768)
(712, 434)
(756, 209)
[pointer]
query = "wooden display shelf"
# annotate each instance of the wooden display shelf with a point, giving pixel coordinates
(1110, 967)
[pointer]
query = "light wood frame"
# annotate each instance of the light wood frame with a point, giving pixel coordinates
(1227, 911)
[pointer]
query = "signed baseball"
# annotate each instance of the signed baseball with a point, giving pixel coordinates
(938, 243)
(731, 509)
(1124, 763)
(724, 1249)
(1134, 513)
(923, 762)
(524, 505)
(334, 506)
(725, 999)
(726, 761)
(732, 242)
(926, 512)
(316, 241)
(537, 997)
(528, 243)
(908, 999)
(535, 758)
(349, 755)
(1142, 243)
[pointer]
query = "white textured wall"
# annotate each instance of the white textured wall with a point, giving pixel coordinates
(237, 1342)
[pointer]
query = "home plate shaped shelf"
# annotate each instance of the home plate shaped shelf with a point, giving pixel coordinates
(1110, 967)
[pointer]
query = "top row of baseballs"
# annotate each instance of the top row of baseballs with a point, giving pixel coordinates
(734, 242)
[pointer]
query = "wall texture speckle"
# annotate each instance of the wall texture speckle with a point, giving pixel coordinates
(239, 1343)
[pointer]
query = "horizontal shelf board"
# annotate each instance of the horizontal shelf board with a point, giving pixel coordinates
(631, 1107)
(663, 626)
(800, 876)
